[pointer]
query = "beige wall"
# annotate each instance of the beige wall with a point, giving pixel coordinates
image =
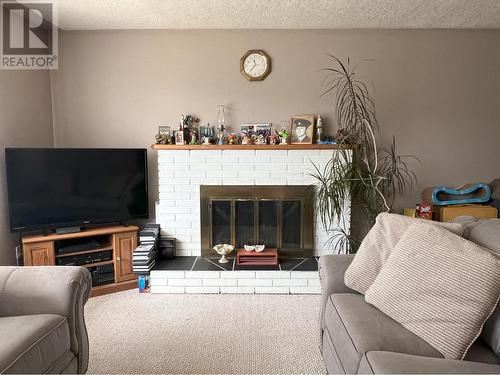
(436, 91)
(25, 121)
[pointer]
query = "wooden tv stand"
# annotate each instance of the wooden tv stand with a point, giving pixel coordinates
(41, 251)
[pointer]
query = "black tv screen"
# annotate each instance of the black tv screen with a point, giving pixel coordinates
(52, 188)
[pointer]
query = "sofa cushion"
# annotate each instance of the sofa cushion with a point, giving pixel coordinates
(491, 331)
(32, 343)
(439, 286)
(397, 363)
(481, 352)
(356, 327)
(377, 246)
(485, 233)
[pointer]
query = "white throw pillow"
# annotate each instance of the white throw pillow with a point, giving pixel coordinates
(439, 286)
(377, 246)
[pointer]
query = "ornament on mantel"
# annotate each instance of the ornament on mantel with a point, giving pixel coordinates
(246, 139)
(283, 134)
(319, 129)
(221, 124)
(207, 134)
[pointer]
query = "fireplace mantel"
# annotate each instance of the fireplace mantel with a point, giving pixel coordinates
(253, 147)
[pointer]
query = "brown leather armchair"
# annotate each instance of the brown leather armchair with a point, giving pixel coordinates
(42, 325)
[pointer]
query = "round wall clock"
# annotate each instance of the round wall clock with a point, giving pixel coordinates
(255, 65)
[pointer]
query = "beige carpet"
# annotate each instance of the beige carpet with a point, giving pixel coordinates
(204, 334)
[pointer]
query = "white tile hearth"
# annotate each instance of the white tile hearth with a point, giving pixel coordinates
(204, 275)
(276, 282)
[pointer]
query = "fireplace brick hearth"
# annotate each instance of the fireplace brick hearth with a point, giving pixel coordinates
(205, 276)
(181, 172)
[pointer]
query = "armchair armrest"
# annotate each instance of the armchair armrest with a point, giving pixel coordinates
(331, 275)
(49, 290)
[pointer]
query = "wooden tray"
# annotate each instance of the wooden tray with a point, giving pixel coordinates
(268, 257)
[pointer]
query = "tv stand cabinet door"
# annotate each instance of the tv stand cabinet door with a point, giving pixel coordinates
(39, 254)
(124, 244)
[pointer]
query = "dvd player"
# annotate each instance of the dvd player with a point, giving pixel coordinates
(78, 260)
(78, 244)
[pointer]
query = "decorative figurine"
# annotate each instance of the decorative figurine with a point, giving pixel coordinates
(193, 139)
(272, 139)
(261, 139)
(232, 139)
(188, 126)
(246, 139)
(206, 134)
(283, 134)
(161, 139)
(179, 137)
(184, 127)
(319, 129)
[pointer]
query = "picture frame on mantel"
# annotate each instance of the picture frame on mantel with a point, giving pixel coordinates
(255, 127)
(302, 129)
(179, 137)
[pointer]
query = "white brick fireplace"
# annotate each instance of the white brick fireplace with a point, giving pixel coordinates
(182, 171)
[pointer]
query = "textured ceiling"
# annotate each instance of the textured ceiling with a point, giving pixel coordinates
(277, 14)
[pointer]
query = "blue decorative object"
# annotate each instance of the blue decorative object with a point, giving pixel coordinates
(476, 193)
(326, 142)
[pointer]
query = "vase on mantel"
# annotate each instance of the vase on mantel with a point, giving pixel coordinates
(221, 124)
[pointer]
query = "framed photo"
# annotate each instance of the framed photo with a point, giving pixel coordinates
(251, 128)
(266, 127)
(179, 137)
(164, 130)
(302, 129)
(247, 128)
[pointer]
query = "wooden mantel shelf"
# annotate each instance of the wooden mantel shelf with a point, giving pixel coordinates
(252, 147)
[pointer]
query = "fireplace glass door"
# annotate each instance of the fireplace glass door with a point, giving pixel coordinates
(244, 222)
(268, 222)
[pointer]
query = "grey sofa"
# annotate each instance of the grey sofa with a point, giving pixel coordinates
(42, 327)
(356, 337)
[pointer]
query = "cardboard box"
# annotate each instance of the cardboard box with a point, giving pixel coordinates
(410, 212)
(448, 213)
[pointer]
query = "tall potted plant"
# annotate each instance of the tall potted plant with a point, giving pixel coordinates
(363, 176)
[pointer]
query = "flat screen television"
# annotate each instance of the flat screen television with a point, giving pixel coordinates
(62, 187)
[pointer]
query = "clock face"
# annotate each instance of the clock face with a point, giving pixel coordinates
(255, 65)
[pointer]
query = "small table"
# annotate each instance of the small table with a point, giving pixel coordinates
(267, 257)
